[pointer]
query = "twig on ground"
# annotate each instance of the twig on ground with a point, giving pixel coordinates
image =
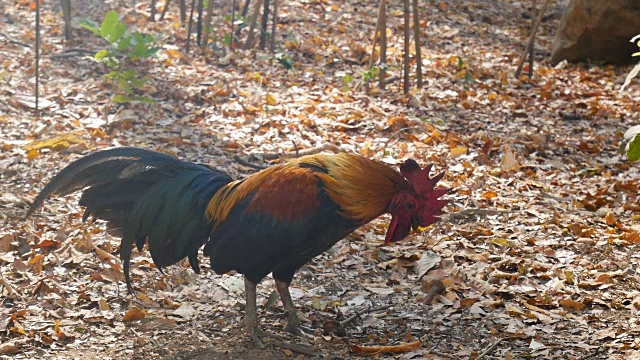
(495, 344)
(437, 353)
(391, 79)
(467, 214)
(384, 148)
(282, 342)
(301, 349)
(73, 52)
(244, 162)
(11, 289)
(9, 39)
(437, 288)
(362, 312)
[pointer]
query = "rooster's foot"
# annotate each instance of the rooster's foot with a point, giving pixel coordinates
(294, 327)
(256, 336)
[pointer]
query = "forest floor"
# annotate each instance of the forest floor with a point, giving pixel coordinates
(535, 258)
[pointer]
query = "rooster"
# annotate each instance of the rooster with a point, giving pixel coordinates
(272, 222)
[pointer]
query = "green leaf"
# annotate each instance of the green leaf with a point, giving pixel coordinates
(139, 83)
(121, 98)
(633, 153)
(632, 74)
(112, 29)
(117, 33)
(109, 23)
(124, 85)
(101, 54)
(90, 25)
(143, 99)
(113, 75)
(631, 143)
(348, 79)
(467, 77)
(124, 43)
(138, 46)
(152, 51)
(128, 74)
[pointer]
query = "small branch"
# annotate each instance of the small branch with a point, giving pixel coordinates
(391, 79)
(246, 163)
(193, 5)
(534, 8)
(72, 53)
(301, 349)
(14, 41)
(532, 37)
(494, 345)
(437, 288)
(164, 10)
(362, 312)
(437, 353)
(381, 11)
(4, 282)
(384, 149)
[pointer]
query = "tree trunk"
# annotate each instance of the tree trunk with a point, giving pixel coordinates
(383, 45)
(416, 42)
(264, 24)
(407, 40)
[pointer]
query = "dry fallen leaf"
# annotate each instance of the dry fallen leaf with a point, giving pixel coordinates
(402, 348)
(509, 161)
(134, 314)
(570, 304)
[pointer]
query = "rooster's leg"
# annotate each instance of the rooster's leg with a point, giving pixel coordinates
(251, 313)
(293, 322)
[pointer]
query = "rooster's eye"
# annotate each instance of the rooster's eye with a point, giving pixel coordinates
(411, 205)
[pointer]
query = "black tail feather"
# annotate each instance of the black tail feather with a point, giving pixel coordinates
(145, 196)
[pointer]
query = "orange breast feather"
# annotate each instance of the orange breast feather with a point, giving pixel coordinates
(287, 195)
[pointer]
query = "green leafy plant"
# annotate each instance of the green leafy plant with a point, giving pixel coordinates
(371, 74)
(124, 49)
(468, 79)
(631, 142)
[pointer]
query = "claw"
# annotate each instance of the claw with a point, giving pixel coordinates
(256, 336)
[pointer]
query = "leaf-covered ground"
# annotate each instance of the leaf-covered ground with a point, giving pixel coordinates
(536, 258)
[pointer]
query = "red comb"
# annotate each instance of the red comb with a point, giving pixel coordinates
(424, 186)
